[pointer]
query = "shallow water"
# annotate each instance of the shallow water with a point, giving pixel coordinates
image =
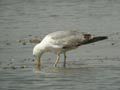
(90, 67)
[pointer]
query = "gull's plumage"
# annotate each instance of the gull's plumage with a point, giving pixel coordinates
(60, 42)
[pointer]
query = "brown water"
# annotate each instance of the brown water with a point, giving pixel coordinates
(90, 67)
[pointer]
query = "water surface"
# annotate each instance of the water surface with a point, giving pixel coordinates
(90, 67)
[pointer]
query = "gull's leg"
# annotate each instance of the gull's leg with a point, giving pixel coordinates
(58, 58)
(64, 64)
(38, 63)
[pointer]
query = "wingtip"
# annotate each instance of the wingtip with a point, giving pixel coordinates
(102, 37)
(95, 39)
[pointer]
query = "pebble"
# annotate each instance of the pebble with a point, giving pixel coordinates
(29, 35)
(34, 40)
(13, 67)
(24, 66)
(8, 43)
(20, 41)
(24, 43)
(33, 60)
(112, 44)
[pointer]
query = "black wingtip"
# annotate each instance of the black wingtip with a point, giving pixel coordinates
(95, 39)
(98, 38)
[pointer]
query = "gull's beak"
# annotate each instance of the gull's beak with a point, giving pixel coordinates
(38, 63)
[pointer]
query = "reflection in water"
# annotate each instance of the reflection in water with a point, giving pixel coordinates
(62, 71)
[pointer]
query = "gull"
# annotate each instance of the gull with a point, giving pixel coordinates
(60, 42)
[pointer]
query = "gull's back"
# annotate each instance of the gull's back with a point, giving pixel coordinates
(62, 40)
(63, 34)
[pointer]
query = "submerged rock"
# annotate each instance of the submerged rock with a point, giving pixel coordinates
(33, 60)
(8, 43)
(24, 66)
(30, 40)
(29, 35)
(112, 44)
(34, 40)
(24, 42)
(13, 67)
(10, 67)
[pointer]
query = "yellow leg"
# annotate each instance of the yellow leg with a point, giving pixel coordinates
(58, 58)
(38, 64)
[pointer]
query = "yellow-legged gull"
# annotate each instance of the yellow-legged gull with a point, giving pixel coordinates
(60, 42)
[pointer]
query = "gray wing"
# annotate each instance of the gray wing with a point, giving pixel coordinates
(70, 39)
(62, 34)
(66, 39)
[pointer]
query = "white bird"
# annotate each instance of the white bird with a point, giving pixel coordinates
(60, 42)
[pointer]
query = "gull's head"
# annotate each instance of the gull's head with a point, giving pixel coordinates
(37, 50)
